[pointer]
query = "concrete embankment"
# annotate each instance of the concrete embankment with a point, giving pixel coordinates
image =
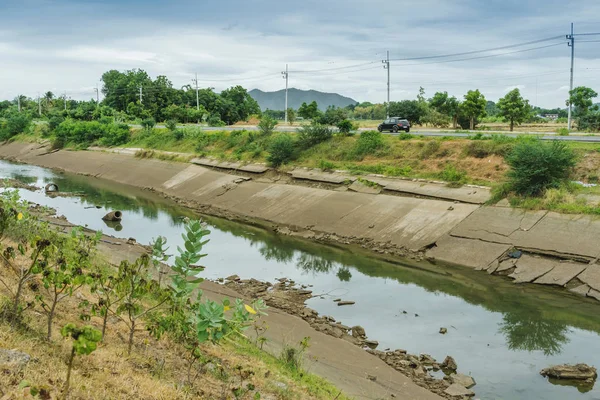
(539, 247)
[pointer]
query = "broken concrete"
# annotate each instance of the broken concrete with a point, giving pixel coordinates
(470, 253)
(456, 390)
(591, 276)
(236, 166)
(463, 380)
(529, 268)
(561, 274)
(465, 194)
(573, 372)
(360, 187)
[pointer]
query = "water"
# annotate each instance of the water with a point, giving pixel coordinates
(500, 333)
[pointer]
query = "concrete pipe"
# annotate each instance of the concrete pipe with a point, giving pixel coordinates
(51, 187)
(113, 216)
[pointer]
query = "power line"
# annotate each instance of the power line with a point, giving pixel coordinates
(334, 69)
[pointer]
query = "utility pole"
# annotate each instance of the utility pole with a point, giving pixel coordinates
(197, 97)
(386, 65)
(65, 98)
(97, 96)
(285, 76)
(141, 96)
(39, 105)
(571, 39)
(19, 103)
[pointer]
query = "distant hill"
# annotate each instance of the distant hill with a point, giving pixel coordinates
(276, 100)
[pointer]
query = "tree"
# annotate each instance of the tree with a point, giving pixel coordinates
(412, 110)
(581, 98)
(309, 111)
(85, 341)
(333, 115)
(453, 107)
(266, 125)
(237, 105)
(291, 113)
(514, 108)
(474, 106)
(439, 102)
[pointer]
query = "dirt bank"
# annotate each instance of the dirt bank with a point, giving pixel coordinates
(537, 247)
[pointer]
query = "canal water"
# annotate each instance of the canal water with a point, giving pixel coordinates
(500, 333)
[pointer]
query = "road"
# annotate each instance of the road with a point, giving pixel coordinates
(577, 137)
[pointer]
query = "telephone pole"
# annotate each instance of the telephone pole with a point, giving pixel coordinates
(19, 103)
(141, 96)
(386, 65)
(571, 39)
(286, 76)
(65, 98)
(97, 96)
(197, 97)
(39, 105)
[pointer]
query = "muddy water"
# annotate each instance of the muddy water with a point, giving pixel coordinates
(500, 333)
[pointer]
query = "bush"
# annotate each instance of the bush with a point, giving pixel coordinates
(368, 143)
(281, 150)
(172, 125)
(346, 127)
(266, 125)
(15, 123)
(499, 145)
(589, 122)
(313, 134)
(88, 132)
(562, 132)
(452, 174)
(148, 123)
(215, 120)
(326, 165)
(55, 121)
(430, 148)
(537, 166)
(405, 136)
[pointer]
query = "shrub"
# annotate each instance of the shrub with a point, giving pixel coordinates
(148, 123)
(326, 165)
(266, 125)
(171, 125)
(589, 122)
(178, 134)
(499, 145)
(88, 132)
(537, 166)
(562, 132)
(55, 121)
(346, 127)
(313, 134)
(368, 143)
(405, 136)
(452, 174)
(215, 120)
(281, 150)
(15, 123)
(430, 148)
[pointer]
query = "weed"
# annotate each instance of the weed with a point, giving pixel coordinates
(326, 165)
(562, 132)
(405, 136)
(452, 174)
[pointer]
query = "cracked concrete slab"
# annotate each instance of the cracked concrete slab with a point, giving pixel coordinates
(594, 294)
(207, 162)
(591, 276)
(497, 224)
(561, 274)
(506, 265)
(360, 187)
(466, 252)
(582, 290)
(465, 194)
(529, 268)
(319, 176)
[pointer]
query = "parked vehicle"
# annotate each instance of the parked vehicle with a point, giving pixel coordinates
(394, 124)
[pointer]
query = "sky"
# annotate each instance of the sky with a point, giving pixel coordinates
(330, 45)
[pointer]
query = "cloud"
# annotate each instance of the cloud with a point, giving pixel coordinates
(68, 44)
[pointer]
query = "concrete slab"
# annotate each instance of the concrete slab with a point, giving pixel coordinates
(561, 274)
(591, 276)
(497, 224)
(464, 194)
(320, 176)
(467, 252)
(594, 294)
(530, 268)
(208, 162)
(506, 265)
(358, 186)
(582, 290)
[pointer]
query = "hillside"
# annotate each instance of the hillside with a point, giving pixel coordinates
(276, 100)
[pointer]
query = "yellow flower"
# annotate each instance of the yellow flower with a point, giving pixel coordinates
(20, 216)
(226, 308)
(249, 309)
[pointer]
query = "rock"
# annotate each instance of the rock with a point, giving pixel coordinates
(450, 208)
(456, 390)
(426, 359)
(13, 359)
(449, 363)
(131, 241)
(345, 303)
(574, 372)
(233, 278)
(358, 332)
(462, 380)
(281, 385)
(336, 300)
(372, 344)
(443, 331)
(371, 378)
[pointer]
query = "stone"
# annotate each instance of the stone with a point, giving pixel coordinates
(463, 380)
(443, 331)
(358, 332)
(13, 359)
(336, 300)
(233, 278)
(426, 359)
(345, 303)
(506, 265)
(131, 241)
(371, 378)
(574, 372)
(449, 363)
(372, 343)
(456, 390)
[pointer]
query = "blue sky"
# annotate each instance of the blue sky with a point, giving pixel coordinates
(65, 45)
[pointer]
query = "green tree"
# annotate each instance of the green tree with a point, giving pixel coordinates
(474, 106)
(439, 102)
(412, 110)
(536, 166)
(581, 98)
(453, 110)
(281, 150)
(237, 105)
(291, 115)
(333, 116)
(514, 108)
(309, 111)
(266, 125)
(85, 341)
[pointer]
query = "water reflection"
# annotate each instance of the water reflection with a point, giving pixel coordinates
(116, 225)
(525, 330)
(277, 253)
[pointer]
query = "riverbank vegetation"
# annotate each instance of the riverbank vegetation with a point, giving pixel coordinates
(125, 335)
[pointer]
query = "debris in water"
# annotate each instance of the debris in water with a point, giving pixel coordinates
(443, 331)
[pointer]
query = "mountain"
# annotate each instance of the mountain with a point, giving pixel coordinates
(276, 100)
